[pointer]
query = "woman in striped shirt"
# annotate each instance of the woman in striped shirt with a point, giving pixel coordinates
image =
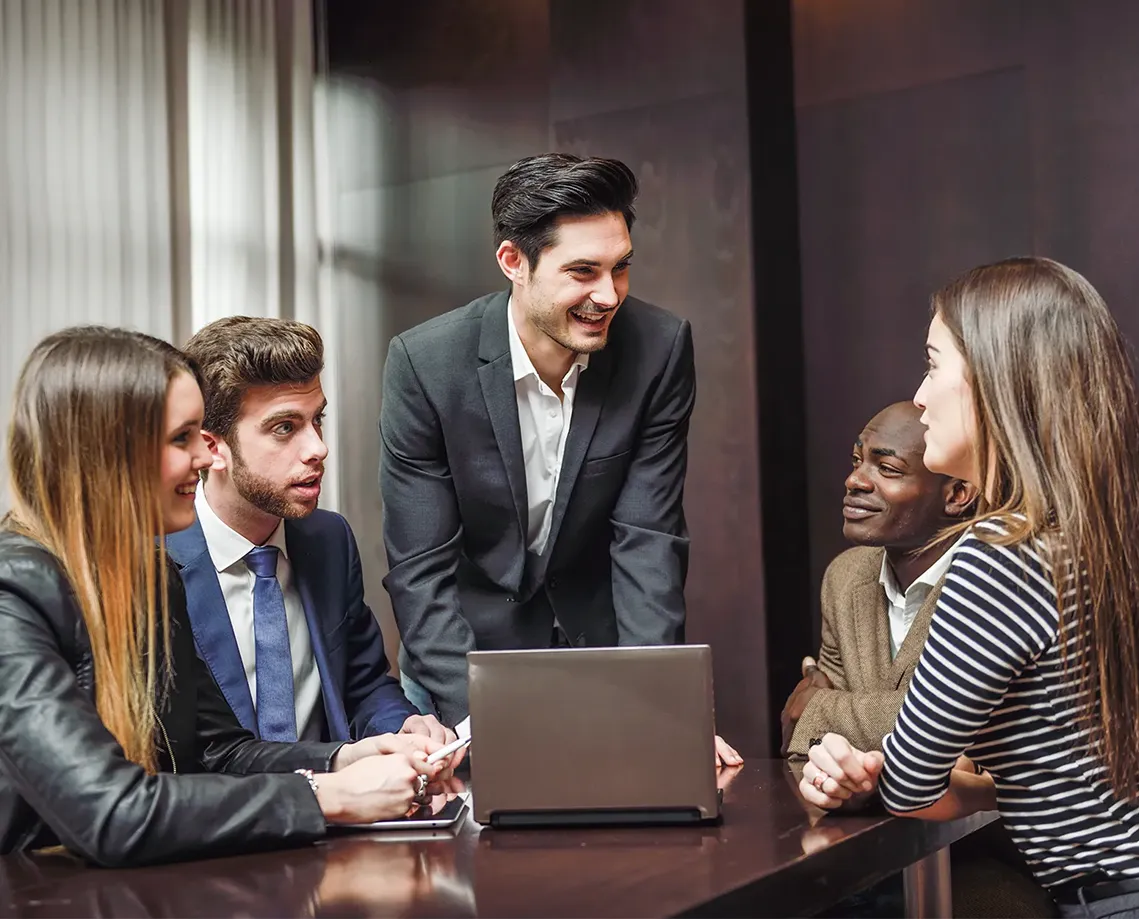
(1031, 668)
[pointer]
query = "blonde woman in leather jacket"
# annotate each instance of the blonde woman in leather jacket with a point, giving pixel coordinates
(114, 739)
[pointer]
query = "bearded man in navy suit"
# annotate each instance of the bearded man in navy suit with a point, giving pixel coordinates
(274, 585)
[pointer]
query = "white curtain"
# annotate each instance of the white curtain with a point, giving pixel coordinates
(253, 237)
(84, 179)
(157, 171)
(254, 225)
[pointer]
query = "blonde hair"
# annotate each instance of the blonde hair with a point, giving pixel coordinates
(84, 450)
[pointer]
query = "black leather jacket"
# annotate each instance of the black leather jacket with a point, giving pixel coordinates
(64, 778)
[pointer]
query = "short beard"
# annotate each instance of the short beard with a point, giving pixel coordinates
(261, 493)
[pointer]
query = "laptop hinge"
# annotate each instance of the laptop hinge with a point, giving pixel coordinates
(598, 817)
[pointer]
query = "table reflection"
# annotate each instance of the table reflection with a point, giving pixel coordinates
(358, 874)
(58, 884)
(725, 775)
(368, 876)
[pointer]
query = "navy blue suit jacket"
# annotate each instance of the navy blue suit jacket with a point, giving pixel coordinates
(360, 695)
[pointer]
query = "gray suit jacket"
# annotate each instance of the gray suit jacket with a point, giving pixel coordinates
(455, 508)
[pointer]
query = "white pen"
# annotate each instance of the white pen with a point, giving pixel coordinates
(446, 751)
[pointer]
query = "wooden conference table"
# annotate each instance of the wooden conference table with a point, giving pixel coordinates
(772, 855)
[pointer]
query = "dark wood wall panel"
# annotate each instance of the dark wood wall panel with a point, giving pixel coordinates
(934, 136)
(899, 192)
(780, 382)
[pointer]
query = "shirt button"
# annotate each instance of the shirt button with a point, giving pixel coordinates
(553, 413)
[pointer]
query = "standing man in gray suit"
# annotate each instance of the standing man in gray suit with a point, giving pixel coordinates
(534, 445)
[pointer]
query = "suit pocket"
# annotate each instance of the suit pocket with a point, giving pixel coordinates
(605, 465)
(334, 637)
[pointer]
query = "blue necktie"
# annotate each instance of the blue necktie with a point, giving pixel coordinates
(276, 706)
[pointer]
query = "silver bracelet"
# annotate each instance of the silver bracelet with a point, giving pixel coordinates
(307, 773)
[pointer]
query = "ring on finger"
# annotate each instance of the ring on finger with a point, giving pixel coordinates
(421, 796)
(819, 780)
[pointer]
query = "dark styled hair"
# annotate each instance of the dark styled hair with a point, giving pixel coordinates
(240, 352)
(535, 192)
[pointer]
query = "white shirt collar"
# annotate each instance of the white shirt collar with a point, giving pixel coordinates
(226, 546)
(927, 579)
(523, 366)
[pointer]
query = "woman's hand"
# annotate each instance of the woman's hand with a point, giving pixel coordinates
(378, 787)
(837, 772)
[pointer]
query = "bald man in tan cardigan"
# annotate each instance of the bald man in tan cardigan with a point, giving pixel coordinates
(877, 602)
(878, 598)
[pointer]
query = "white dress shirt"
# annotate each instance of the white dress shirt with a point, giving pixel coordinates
(228, 549)
(903, 607)
(544, 422)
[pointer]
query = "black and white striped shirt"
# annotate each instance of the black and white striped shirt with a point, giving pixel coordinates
(991, 684)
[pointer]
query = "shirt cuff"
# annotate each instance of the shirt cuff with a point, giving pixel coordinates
(331, 757)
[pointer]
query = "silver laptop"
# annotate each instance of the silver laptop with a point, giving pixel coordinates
(593, 736)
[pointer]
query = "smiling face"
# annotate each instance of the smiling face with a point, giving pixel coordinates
(946, 400)
(566, 301)
(892, 499)
(184, 452)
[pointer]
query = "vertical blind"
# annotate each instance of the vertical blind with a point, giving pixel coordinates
(156, 170)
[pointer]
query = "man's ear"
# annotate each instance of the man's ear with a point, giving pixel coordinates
(219, 451)
(512, 262)
(960, 499)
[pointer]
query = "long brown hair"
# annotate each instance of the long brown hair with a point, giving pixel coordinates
(1057, 445)
(84, 452)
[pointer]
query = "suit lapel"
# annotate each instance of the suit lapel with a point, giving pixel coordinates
(311, 579)
(592, 388)
(209, 620)
(496, 377)
(873, 638)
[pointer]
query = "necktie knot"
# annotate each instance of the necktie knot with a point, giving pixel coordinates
(262, 561)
